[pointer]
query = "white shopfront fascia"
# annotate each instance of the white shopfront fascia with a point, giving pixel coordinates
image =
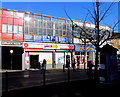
(46, 51)
(32, 45)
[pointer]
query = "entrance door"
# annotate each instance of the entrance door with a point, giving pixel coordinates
(34, 61)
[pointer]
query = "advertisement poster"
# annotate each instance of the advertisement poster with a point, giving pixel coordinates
(59, 60)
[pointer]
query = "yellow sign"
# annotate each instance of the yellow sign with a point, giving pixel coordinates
(85, 47)
(48, 61)
(54, 46)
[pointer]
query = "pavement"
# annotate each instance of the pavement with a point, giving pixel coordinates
(57, 83)
(81, 88)
(32, 78)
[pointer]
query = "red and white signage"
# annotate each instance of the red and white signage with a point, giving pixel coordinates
(31, 45)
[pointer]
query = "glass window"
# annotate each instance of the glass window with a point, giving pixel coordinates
(15, 29)
(44, 24)
(40, 23)
(30, 31)
(48, 25)
(46, 18)
(61, 20)
(64, 33)
(60, 26)
(30, 27)
(68, 21)
(44, 31)
(40, 31)
(4, 28)
(64, 27)
(10, 28)
(56, 26)
(54, 19)
(26, 29)
(20, 29)
(37, 17)
(49, 32)
(31, 16)
(35, 31)
(56, 32)
(60, 33)
(26, 15)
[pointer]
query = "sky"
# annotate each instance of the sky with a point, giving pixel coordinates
(75, 10)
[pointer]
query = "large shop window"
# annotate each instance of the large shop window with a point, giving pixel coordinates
(4, 28)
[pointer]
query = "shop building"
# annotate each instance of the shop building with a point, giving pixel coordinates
(11, 39)
(33, 37)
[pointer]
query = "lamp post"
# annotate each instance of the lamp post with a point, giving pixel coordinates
(11, 52)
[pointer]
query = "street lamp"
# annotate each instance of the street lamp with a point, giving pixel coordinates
(11, 52)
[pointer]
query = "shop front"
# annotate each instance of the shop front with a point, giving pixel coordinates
(53, 53)
(84, 53)
(11, 55)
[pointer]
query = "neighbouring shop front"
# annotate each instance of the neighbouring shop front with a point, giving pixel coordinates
(11, 55)
(53, 53)
(84, 53)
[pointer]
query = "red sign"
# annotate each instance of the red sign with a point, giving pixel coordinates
(71, 46)
(26, 45)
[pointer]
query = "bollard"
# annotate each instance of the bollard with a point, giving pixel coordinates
(68, 74)
(63, 68)
(6, 82)
(44, 76)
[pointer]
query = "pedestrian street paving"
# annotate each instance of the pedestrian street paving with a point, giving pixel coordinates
(31, 78)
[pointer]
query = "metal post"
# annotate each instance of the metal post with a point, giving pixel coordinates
(63, 67)
(68, 74)
(44, 76)
(11, 61)
(6, 82)
(0, 57)
(11, 52)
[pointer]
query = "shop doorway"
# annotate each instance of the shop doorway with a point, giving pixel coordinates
(10, 61)
(34, 59)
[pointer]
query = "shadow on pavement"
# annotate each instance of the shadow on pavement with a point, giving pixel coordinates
(82, 88)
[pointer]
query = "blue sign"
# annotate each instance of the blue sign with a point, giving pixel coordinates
(89, 48)
(62, 39)
(37, 38)
(54, 39)
(29, 37)
(60, 58)
(46, 38)
(70, 40)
